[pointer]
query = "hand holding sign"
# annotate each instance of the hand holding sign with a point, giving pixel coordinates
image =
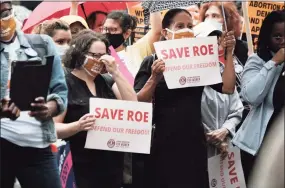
(86, 122)
(217, 135)
(158, 67)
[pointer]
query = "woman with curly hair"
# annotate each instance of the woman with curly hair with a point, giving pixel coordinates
(87, 58)
(58, 30)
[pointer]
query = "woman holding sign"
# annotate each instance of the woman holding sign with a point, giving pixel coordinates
(263, 83)
(179, 155)
(88, 58)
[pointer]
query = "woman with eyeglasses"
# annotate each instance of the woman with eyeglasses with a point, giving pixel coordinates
(89, 59)
(263, 84)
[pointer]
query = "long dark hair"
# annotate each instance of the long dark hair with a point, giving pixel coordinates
(79, 47)
(263, 42)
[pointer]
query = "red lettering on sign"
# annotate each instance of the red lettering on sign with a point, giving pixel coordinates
(106, 113)
(211, 49)
(97, 112)
(164, 54)
(232, 169)
(195, 51)
(130, 116)
(187, 52)
(137, 116)
(145, 117)
(172, 54)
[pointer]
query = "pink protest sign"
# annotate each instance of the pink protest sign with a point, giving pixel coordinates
(122, 67)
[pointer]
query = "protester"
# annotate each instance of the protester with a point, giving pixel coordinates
(178, 155)
(119, 26)
(263, 86)
(76, 23)
(95, 20)
(220, 113)
(30, 135)
(213, 11)
(89, 51)
(58, 30)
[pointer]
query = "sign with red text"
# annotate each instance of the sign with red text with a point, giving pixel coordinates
(120, 126)
(190, 62)
(226, 173)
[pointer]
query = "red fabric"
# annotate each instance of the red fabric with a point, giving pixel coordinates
(48, 10)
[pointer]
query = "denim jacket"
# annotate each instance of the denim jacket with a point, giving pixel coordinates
(258, 82)
(57, 87)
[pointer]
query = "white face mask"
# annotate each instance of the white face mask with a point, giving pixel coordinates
(182, 33)
(215, 23)
(61, 49)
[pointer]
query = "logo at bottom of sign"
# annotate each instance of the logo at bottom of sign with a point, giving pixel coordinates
(193, 79)
(214, 183)
(118, 144)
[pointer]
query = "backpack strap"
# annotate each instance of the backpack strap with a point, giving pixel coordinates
(38, 44)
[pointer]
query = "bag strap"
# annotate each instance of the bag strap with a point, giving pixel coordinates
(38, 44)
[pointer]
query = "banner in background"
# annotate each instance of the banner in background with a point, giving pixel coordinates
(190, 62)
(227, 173)
(257, 11)
(120, 126)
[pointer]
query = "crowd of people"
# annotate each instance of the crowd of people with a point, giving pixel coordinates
(190, 124)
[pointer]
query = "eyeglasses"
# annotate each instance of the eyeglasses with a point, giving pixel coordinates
(95, 55)
(6, 13)
(109, 30)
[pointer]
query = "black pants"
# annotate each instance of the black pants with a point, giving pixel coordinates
(33, 167)
(98, 169)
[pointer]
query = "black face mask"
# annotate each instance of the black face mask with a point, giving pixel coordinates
(115, 40)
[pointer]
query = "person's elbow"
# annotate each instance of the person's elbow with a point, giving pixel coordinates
(142, 98)
(250, 97)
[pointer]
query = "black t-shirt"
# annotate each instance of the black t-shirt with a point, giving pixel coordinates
(78, 105)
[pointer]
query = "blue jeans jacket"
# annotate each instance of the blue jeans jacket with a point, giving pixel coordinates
(57, 89)
(258, 82)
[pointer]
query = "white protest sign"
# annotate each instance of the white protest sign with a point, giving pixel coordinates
(190, 62)
(227, 173)
(120, 126)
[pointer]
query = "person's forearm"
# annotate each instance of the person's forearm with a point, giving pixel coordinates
(146, 93)
(74, 8)
(66, 130)
(156, 22)
(126, 90)
(229, 76)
